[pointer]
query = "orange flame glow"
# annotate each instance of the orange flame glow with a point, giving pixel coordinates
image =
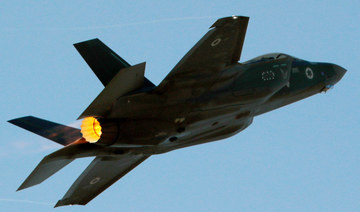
(91, 129)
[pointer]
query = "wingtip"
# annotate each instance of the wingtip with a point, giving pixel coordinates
(82, 42)
(65, 202)
(62, 202)
(230, 19)
(14, 121)
(23, 186)
(58, 204)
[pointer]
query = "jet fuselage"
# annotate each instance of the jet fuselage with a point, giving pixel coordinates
(207, 96)
(218, 108)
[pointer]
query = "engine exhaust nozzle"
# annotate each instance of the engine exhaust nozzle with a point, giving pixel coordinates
(91, 129)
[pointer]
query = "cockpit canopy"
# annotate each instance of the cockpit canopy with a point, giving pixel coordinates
(267, 57)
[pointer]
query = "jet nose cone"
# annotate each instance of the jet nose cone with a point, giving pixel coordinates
(339, 72)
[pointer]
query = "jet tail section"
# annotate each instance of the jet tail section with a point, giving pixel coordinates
(55, 161)
(46, 168)
(103, 61)
(127, 80)
(58, 133)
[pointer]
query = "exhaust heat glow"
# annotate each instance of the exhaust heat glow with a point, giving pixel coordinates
(91, 129)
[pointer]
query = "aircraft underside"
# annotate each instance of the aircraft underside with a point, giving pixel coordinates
(207, 96)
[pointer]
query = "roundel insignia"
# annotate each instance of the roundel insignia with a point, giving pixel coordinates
(309, 73)
(216, 42)
(95, 180)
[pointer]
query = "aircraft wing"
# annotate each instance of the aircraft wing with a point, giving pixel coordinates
(220, 47)
(102, 172)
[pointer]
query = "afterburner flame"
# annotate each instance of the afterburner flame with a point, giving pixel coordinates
(91, 129)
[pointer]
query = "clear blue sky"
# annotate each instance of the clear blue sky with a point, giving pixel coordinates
(303, 157)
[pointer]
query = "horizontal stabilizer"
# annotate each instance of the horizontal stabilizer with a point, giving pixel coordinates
(46, 168)
(58, 133)
(55, 161)
(127, 80)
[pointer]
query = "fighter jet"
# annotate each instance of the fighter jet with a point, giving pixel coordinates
(208, 96)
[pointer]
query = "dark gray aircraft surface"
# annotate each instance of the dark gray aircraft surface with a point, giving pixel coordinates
(207, 96)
